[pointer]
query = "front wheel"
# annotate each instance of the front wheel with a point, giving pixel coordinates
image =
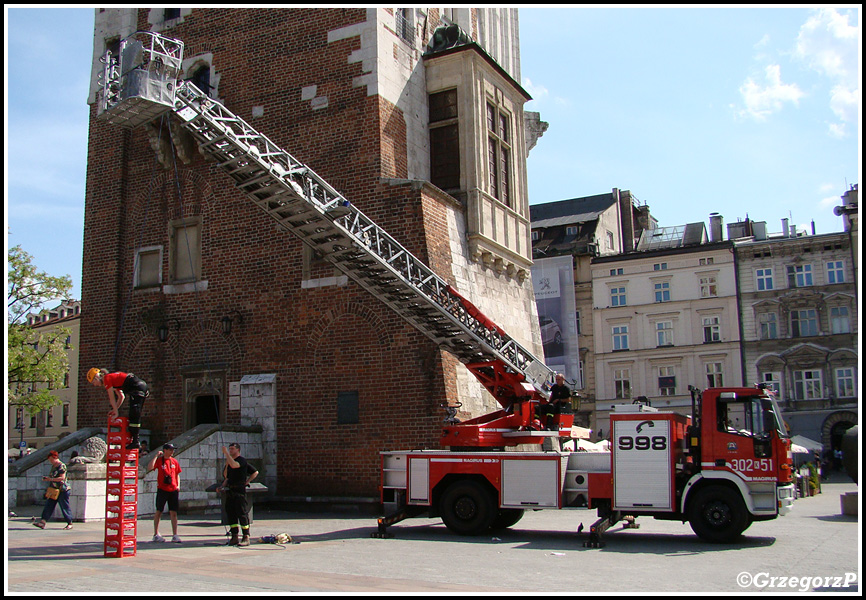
(467, 508)
(718, 514)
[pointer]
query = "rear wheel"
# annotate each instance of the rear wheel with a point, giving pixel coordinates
(718, 514)
(467, 508)
(506, 518)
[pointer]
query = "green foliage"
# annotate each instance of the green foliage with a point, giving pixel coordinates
(37, 360)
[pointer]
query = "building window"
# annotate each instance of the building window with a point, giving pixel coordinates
(577, 321)
(535, 236)
(709, 289)
(662, 291)
(200, 78)
(799, 275)
(807, 385)
(49, 418)
(499, 154)
(665, 333)
(617, 296)
(620, 337)
(610, 241)
(618, 271)
(185, 250)
(444, 141)
(773, 381)
(621, 384)
(705, 261)
(839, 322)
(714, 374)
(148, 267)
(347, 408)
(845, 382)
(767, 324)
(65, 422)
(170, 13)
(712, 330)
(835, 272)
(403, 22)
(667, 381)
(660, 266)
(765, 279)
(571, 230)
(804, 322)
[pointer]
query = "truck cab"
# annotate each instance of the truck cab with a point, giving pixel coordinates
(741, 462)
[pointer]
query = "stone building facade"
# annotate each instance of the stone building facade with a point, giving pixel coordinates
(192, 288)
(800, 326)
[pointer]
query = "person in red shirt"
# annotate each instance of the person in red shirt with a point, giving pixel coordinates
(120, 385)
(167, 489)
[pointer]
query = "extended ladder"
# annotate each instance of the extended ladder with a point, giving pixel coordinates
(121, 492)
(304, 204)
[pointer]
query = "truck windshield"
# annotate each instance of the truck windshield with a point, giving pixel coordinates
(753, 416)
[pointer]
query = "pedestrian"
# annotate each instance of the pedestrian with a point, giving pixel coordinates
(57, 492)
(119, 385)
(167, 489)
(238, 474)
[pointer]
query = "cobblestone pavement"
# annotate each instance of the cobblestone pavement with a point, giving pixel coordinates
(813, 548)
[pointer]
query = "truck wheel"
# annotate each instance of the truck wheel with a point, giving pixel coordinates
(718, 514)
(467, 508)
(506, 518)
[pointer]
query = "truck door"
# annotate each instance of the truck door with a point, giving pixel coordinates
(748, 437)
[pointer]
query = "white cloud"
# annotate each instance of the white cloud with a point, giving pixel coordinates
(828, 45)
(763, 100)
(536, 91)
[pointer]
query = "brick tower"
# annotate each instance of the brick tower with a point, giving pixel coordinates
(192, 288)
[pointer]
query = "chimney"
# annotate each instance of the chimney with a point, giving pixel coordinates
(785, 230)
(715, 227)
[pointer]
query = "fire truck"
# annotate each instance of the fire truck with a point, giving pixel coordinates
(728, 466)
(722, 469)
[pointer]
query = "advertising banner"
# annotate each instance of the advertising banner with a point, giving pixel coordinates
(553, 282)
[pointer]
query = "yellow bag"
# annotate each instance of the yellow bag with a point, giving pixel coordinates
(52, 493)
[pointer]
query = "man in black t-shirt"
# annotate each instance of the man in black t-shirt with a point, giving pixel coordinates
(238, 474)
(560, 402)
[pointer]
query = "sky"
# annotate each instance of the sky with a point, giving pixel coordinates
(741, 111)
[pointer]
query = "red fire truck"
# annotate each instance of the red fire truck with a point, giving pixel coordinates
(722, 470)
(727, 468)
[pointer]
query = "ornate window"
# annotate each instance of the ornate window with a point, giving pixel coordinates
(499, 158)
(444, 140)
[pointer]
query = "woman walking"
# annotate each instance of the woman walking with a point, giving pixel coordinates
(57, 492)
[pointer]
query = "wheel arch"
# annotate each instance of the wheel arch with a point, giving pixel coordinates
(703, 480)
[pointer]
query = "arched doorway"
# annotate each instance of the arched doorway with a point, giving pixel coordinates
(206, 409)
(204, 398)
(833, 429)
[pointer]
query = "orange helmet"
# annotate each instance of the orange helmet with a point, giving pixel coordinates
(92, 373)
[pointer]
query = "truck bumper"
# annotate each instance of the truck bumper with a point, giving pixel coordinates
(785, 498)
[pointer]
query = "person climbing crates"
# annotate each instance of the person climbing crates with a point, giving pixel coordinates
(119, 385)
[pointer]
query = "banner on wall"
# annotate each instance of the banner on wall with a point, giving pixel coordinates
(553, 283)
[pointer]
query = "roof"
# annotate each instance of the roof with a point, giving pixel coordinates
(569, 212)
(672, 237)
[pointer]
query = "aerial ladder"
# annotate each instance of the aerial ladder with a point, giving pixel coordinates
(140, 82)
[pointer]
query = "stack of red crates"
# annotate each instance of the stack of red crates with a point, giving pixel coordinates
(121, 491)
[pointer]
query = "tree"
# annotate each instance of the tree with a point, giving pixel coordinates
(37, 360)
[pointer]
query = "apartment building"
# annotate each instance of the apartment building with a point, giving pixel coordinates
(798, 304)
(582, 229)
(665, 317)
